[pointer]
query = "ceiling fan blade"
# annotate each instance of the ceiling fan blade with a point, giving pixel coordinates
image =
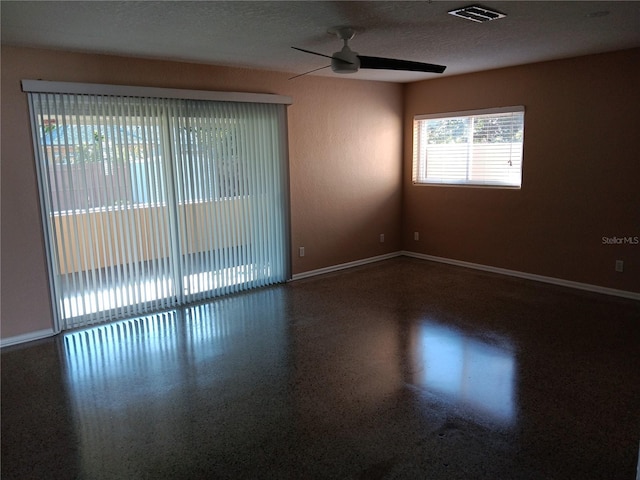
(394, 64)
(322, 55)
(310, 71)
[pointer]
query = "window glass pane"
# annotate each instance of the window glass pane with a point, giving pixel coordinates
(483, 149)
(96, 161)
(448, 131)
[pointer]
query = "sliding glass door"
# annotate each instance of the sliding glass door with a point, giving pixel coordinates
(149, 203)
(230, 211)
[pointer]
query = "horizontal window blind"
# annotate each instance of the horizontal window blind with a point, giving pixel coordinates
(151, 202)
(481, 148)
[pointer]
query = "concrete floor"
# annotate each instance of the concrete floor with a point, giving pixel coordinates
(403, 369)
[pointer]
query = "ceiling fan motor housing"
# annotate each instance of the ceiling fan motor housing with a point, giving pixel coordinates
(345, 61)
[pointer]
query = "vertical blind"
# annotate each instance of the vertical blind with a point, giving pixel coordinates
(149, 203)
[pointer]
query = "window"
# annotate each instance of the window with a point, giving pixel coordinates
(94, 165)
(152, 201)
(478, 148)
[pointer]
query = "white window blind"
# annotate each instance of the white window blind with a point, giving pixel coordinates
(153, 202)
(482, 148)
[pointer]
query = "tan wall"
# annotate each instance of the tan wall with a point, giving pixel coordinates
(201, 232)
(89, 230)
(581, 172)
(345, 147)
(347, 186)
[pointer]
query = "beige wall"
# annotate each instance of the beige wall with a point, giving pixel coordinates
(347, 186)
(581, 172)
(345, 147)
(73, 232)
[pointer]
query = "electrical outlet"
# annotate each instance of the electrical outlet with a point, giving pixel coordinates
(619, 266)
(382, 238)
(301, 251)
(416, 236)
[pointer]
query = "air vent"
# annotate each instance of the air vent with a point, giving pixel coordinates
(476, 13)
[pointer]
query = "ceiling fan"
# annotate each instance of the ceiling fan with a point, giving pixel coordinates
(348, 61)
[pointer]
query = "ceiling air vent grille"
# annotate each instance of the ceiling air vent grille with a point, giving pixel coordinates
(476, 13)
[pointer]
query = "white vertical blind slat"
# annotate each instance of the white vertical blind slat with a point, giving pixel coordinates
(208, 212)
(174, 173)
(156, 250)
(100, 224)
(225, 199)
(202, 225)
(135, 224)
(67, 220)
(88, 234)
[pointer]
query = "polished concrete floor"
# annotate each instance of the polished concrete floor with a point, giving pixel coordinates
(403, 369)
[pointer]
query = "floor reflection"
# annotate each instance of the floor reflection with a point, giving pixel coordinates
(479, 374)
(165, 385)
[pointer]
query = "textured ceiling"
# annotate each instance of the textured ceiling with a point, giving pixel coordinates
(260, 34)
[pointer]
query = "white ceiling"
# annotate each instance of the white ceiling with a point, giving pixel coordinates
(260, 34)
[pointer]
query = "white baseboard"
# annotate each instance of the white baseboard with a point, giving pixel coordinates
(529, 276)
(343, 266)
(26, 337)
(40, 334)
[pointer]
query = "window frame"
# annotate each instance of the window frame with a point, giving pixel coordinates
(419, 161)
